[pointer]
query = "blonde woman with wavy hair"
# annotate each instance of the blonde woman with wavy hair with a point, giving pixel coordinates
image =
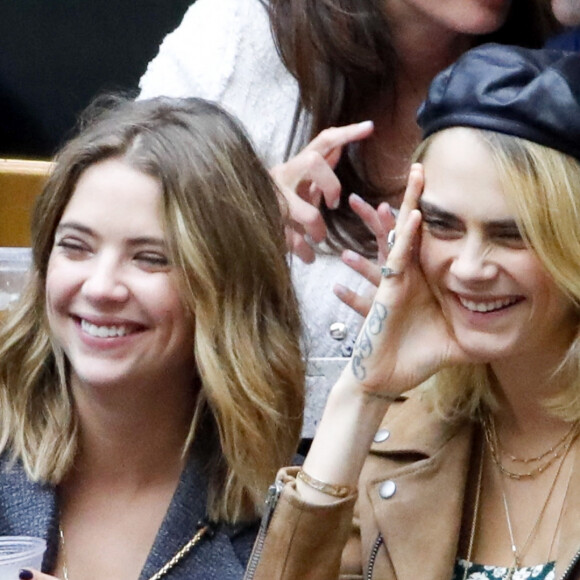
(151, 380)
(548, 221)
(449, 448)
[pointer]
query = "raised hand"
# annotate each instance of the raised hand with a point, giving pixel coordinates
(309, 177)
(405, 338)
(380, 222)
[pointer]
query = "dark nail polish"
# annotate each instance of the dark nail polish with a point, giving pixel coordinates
(25, 574)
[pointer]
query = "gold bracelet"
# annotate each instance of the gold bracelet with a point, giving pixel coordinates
(340, 491)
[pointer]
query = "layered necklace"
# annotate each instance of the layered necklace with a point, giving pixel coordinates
(538, 464)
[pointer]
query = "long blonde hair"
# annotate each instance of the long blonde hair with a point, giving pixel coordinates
(542, 187)
(225, 236)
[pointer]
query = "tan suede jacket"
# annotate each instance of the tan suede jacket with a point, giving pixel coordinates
(407, 517)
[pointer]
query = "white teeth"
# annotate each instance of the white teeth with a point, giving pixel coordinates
(103, 331)
(486, 306)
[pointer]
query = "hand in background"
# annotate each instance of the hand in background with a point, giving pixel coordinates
(308, 178)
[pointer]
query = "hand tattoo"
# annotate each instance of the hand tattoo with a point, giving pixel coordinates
(363, 347)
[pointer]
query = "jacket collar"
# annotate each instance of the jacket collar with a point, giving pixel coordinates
(428, 460)
(216, 558)
(29, 508)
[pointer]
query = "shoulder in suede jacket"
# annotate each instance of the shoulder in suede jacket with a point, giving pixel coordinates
(406, 520)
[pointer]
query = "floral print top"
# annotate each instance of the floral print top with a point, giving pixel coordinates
(479, 572)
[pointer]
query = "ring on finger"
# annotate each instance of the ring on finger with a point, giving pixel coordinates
(387, 272)
(391, 239)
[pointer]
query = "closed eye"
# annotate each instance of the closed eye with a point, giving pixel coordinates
(507, 234)
(152, 260)
(511, 239)
(442, 228)
(72, 247)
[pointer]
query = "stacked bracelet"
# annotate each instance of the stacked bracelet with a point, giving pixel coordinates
(340, 491)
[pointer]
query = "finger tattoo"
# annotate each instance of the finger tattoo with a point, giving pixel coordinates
(363, 347)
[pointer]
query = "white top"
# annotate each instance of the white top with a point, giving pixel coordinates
(223, 51)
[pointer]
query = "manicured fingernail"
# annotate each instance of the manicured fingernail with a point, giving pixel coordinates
(309, 240)
(335, 203)
(366, 125)
(350, 256)
(356, 197)
(25, 574)
(339, 290)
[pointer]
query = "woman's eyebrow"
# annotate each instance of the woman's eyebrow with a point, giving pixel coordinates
(506, 224)
(433, 210)
(147, 241)
(74, 226)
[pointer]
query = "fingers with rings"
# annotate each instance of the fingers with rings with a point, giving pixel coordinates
(402, 253)
(391, 239)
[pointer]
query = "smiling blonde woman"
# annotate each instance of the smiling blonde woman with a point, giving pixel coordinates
(151, 376)
(449, 446)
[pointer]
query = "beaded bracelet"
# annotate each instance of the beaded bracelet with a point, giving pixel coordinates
(340, 491)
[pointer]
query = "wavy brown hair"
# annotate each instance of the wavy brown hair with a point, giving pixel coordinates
(342, 55)
(225, 237)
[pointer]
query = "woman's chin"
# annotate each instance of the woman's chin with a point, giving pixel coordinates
(484, 348)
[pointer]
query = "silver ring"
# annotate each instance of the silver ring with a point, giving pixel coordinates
(387, 272)
(391, 239)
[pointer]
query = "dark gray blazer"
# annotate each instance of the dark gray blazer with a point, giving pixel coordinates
(31, 509)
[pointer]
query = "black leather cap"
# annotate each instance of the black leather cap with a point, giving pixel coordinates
(529, 93)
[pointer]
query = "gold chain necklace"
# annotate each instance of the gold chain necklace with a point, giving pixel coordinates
(519, 554)
(203, 529)
(555, 452)
(552, 449)
(475, 511)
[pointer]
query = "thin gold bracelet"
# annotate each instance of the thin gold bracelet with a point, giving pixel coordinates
(340, 491)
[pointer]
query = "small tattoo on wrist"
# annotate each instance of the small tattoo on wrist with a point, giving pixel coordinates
(363, 347)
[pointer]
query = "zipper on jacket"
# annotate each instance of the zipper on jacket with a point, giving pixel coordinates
(372, 558)
(272, 497)
(571, 565)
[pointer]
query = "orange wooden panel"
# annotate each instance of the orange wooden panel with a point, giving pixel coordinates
(21, 180)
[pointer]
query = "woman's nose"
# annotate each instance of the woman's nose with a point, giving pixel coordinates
(105, 282)
(473, 261)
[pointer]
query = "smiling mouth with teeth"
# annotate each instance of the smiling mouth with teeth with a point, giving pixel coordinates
(490, 306)
(104, 331)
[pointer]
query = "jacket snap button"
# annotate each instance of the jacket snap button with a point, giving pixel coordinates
(338, 330)
(387, 489)
(381, 435)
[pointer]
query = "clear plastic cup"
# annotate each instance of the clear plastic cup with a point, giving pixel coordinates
(17, 552)
(14, 268)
